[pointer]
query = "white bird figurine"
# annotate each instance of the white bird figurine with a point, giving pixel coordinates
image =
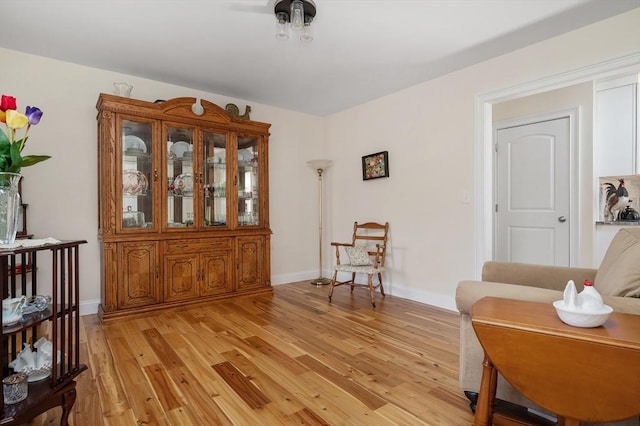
(589, 297)
(587, 300)
(570, 296)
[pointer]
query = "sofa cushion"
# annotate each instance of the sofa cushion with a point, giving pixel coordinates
(619, 272)
(358, 256)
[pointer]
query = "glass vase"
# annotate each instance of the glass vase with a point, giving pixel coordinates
(9, 206)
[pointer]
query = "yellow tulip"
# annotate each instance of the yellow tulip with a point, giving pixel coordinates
(16, 120)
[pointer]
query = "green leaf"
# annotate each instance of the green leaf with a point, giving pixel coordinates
(16, 158)
(30, 160)
(5, 146)
(4, 140)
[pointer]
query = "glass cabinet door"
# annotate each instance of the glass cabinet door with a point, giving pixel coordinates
(137, 175)
(180, 176)
(215, 179)
(248, 207)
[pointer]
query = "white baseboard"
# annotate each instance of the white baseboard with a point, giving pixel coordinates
(89, 307)
(426, 297)
(434, 299)
(293, 277)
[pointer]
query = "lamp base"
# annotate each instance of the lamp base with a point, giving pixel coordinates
(320, 281)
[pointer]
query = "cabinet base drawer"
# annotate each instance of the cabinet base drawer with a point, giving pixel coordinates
(201, 244)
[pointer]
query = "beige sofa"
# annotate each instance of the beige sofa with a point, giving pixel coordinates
(617, 279)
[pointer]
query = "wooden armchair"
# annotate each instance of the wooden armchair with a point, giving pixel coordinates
(366, 254)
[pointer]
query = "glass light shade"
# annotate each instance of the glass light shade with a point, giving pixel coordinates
(297, 15)
(319, 164)
(282, 27)
(307, 35)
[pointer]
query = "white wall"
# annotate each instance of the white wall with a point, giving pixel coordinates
(62, 192)
(429, 133)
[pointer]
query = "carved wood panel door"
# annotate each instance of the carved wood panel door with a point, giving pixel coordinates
(217, 273)
(138, 263)
(181, 277)
(250, 254)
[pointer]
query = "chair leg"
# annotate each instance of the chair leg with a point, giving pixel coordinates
(353, 281)
(333, 284)
(371, 290)
(381, 286)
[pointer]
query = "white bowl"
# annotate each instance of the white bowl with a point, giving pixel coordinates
(581, 318)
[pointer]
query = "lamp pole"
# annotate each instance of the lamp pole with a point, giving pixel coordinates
(320, 166)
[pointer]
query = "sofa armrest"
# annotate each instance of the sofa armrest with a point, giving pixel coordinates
(550, 277)
(469, 292)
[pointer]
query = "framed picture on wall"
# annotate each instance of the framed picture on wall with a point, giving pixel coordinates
(375, 165)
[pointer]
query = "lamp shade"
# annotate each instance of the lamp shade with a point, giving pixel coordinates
(319, 164)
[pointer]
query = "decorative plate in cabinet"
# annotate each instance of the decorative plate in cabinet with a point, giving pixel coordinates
(134, 182)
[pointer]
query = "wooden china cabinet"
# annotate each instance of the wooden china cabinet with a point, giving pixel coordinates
(183, 204)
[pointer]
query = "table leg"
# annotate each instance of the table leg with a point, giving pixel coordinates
(487, 394)
(564, 421)
(68, 399)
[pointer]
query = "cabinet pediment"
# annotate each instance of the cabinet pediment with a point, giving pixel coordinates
(179, 109)
(182, 108)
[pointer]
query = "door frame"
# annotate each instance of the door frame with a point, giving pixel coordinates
(573, 114)
(483, 139)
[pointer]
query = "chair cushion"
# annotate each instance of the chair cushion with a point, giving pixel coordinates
(619, 272)
(358, 256)
(367, 269)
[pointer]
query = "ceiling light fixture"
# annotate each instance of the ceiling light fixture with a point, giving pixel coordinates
(297, 14)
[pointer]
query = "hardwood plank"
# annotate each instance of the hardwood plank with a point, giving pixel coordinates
(203, 405)
(308, 417)
(241, 385)
(397, 416)
(278, 384)
(163, 387)
(287, 358)
(162, 348)
(279, 357)
(130, 332)
(371, 400)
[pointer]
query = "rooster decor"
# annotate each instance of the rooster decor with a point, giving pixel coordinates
(234, 111)
(617, 199)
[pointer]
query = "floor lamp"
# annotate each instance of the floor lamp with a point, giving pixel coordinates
(320, 166)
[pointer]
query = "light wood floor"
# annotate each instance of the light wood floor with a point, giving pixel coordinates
(285, 358)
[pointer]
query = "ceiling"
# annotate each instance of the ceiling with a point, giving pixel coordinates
(362, 49)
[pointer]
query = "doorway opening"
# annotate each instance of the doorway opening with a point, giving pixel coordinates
(483, 156)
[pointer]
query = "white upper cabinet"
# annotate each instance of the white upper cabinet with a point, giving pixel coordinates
(616, 127)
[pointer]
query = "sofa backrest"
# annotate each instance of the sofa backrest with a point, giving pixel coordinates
(619, 272)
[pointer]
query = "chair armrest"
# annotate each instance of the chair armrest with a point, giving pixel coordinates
(337, 246)
(550, 277)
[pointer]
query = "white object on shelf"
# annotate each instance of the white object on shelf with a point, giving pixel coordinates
(179, 148)
(30, 243)
(134, 144)
(584, 309)
(35, 364)
(12, 310)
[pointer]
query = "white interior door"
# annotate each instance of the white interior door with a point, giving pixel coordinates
(533, 193)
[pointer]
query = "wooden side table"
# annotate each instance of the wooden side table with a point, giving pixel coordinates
(588, 374)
